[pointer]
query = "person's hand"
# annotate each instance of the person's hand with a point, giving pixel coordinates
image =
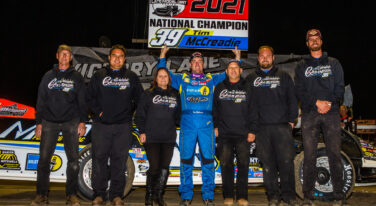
(100, 114)
(237, 53)
(251, 137)
(323, 106)
(38, 131)
(216, 132)
(164, 51)
(143, 138)
(81, 130)
(292, 125)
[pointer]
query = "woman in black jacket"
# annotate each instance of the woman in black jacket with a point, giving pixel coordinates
(157, 115)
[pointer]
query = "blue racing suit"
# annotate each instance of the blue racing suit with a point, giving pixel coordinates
(196, 126)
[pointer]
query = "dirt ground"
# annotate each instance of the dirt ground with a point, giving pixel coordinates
(21, 193)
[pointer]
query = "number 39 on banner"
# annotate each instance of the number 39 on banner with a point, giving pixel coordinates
(168, 36)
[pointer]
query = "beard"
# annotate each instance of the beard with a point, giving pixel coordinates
(315, 47)
(266, 65)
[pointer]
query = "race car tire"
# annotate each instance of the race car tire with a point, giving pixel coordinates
(85, 191)
(323, 185)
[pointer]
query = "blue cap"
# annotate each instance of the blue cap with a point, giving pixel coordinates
(234, 60)
(196, 54)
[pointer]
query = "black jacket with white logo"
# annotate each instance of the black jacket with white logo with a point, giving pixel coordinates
(157, 115)
(234, 110)
(114, 94)
(319, 79)
(275, 96)
(61, 96)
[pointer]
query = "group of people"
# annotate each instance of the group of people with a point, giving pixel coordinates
(62, 106)
(222, 113)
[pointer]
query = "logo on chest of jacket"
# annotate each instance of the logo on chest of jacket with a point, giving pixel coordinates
(165, 100)
(64, 85)
(319, 71)
(233, 95)
(121, 83)
(272, 82)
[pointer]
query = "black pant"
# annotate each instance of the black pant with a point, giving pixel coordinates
(275, 148)
(109, 141)
(227, 148)
(329, 124)
(159, 156)
(50, 134)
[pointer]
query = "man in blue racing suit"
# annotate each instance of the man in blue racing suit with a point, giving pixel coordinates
(196, 91)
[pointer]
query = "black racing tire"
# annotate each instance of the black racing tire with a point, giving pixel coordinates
(323, 185)
(85, 191)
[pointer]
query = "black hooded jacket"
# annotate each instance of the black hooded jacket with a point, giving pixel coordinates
(157, 115)
(234, 109)
(275, 96)
(114, 94)
(61, 96)
(319, 79)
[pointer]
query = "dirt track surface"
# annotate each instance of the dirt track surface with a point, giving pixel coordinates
(21, 193)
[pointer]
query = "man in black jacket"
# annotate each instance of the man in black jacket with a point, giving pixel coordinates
(61, 107)
(112, 95)
(277, 110)
(320, 88)
(235, 116)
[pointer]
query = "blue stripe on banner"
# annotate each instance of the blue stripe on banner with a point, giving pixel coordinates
(60, 148)
(214, 42)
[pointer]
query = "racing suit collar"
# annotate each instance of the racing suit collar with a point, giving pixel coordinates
(197, 75)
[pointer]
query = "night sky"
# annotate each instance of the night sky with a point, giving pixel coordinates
(32, 30)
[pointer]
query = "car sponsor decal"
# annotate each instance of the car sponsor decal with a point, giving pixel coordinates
(15, 110)
(32, 162)
(8, 160)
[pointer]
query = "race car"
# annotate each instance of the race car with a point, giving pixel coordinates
(168, 8)
(19, 154)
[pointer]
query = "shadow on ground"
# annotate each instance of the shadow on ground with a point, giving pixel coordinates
(17, 193)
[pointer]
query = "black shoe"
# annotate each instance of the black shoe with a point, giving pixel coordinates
(273, 202)
(185, 202)
(160, 187)
(209, 202)
(149, 190)
(308, 202)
